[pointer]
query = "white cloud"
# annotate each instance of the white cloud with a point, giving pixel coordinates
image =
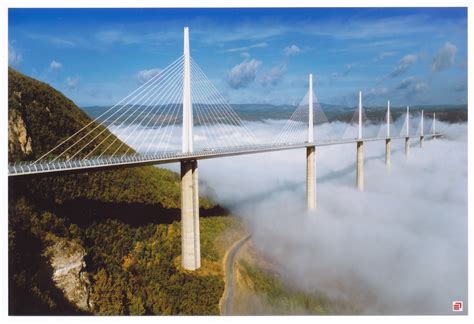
(404, 64)
(242, 32)
(102, 38)
(405, 83)
(419, 87)
(243, 74)
(355, 28)
(387, 250)
(54, 65)
(246, 48)
(273, 76)
(444, 59)
(245, 55)
(72, 82)
(385, 27)
(145, 75)
(412, 87)
(387, 54)
(14, 58)
(109, 36)
(54, 40)
(291, 50)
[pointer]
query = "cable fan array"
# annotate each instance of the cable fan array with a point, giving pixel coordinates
(149, 121)
(296, 128)
(216, 123)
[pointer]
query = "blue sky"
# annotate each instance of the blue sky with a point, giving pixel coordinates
(96, 56)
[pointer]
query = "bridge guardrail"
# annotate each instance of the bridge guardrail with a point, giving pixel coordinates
(28, 167)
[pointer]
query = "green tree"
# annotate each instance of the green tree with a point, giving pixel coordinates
(136, 306)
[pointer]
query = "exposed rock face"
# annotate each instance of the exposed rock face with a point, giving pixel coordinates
(67, 260)
(18, 139)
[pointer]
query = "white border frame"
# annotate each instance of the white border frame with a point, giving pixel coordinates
(6, 4)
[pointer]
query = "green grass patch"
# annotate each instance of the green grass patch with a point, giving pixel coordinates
(286, 300)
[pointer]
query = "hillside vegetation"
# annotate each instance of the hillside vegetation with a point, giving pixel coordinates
(260, 288)
(125, 219)
(44, 117)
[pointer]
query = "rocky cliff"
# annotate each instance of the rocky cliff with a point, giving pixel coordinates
(19, 141)
(66, 258)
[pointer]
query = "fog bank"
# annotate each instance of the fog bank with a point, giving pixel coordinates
(399, 247)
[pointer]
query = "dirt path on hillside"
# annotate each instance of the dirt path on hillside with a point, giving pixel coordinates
(226, 301)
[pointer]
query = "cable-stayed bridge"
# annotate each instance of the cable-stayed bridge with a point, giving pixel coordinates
(180, 102)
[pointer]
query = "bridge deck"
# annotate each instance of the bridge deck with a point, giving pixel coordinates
(31, 168)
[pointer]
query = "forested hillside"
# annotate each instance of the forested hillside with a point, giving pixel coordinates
(123, 224)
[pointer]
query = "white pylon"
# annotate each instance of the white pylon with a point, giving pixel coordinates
(434, 123)
(187, 104)
(408, 121)
(310, 110)
(388, 119)
(360, 114)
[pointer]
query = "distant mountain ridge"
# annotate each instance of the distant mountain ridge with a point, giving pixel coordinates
(261, 112)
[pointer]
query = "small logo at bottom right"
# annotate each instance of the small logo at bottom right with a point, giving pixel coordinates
(457, 306)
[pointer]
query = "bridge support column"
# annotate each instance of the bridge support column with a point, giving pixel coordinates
(360, 166)
(387, 152)
(190, 244)
(407, 146)
(311, 177)
(197, 236)
(421, 141)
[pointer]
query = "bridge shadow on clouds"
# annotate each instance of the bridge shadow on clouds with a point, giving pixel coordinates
(351, 168)
(295, 185)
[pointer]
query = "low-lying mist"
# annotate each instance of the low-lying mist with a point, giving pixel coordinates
(399, 247)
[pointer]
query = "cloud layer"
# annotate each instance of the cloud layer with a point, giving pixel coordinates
(389, 250)
(400, 247)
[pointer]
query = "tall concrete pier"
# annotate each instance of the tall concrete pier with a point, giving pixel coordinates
(310, 177)
(407, 138)
(190, 238)
(197, 236)
(360, 151)
(360, 166)
(387, 141)
(190, 245)
(387, 152)
(421, 130)
(310, 153)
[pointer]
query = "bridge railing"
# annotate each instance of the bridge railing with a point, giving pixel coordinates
(28, 167)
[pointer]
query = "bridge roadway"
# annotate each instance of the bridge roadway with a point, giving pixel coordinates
(105, 163)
